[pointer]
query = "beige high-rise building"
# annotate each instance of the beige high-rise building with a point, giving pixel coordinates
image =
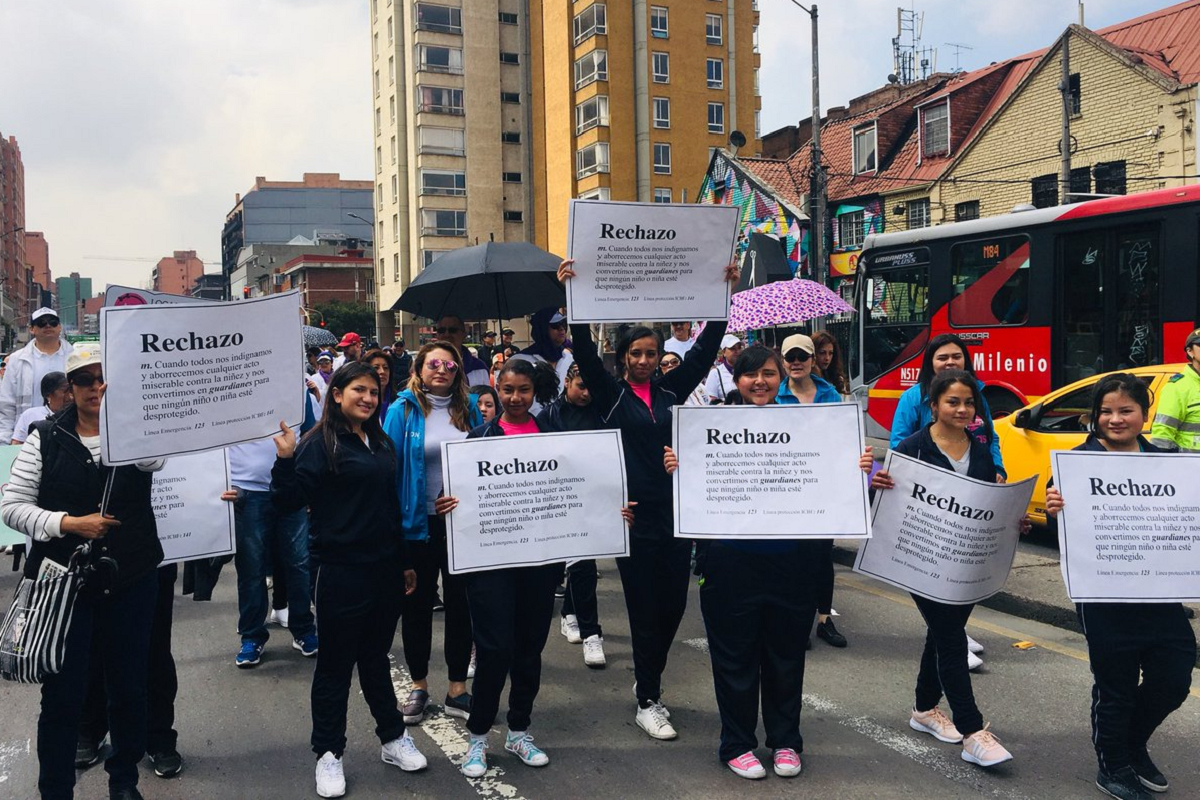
(451, 122)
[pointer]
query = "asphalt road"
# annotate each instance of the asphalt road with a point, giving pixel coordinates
(244, 734)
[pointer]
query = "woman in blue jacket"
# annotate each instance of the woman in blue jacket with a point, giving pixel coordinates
(435, 407)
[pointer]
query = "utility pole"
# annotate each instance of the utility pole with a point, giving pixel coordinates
(1065, 144)
(816, 233)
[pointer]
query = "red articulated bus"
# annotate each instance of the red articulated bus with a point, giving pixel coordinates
(1043, 297)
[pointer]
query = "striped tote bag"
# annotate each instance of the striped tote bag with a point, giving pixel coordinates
(33, 638)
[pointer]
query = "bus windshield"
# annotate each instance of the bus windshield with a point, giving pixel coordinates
(895, 308)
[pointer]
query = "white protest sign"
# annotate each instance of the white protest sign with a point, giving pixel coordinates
(636, 261)
(1129, 531)
(188, 378)
(192, 519)
(941, 535)
(536, 499)
(770, 472)
(116, 295)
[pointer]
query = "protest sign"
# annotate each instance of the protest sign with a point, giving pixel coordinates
(115, 295)
(649, 261)
(184, 379)
(8, 454)
(193, 521)
(1129, 530)
(770, 472)
(941, 535)
(537, 499)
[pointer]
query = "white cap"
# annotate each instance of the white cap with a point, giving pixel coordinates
(43, 312)
(83, 356)
(729, 341)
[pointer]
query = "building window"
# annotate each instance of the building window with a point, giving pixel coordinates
(592, 21)
(662, 112)
(851, 230)
(591, 68)
(591, 159)
(440, 100)
(510, 177)
(377, 83)
(379, 159)
(432, 58)
(591, 113)
(443, 182)
(864, 150)
(435, 222)
(442, 19)
(395, 267)
(443, 141)
(716, 73)
(599, 193)
(757, 86)
(757, 123)
(392, 70)
(716, 117)
(510, 137)
(1044, 191)
(375, 46)
(509, 58)
(935, 130)
(918, 213)
(510, 97)
(374, 10)
(395, 189)
(754, 40)
(662, 158)
(712, 29)
(379, 194)
(508, 18)
(378, 121)
(514, 216)
(392, 108)
(382, 271)
(966, 211)
(429, 256)
(658, 22)
(662, 67)
(1073, 96)
(390, 34)
(662, 195)
(1080, 185)
(394, 150)
(395, 227)
(1110, 177)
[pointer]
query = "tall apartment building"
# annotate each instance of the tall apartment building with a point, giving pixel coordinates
(177, 273)
(14, 313)
(451, 123)
(37, 258)
(72, 292)
(631, 97)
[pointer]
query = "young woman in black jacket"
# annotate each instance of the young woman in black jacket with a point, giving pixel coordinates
(945, 443)
(344, 470)
(655, 575)
(1126, 640)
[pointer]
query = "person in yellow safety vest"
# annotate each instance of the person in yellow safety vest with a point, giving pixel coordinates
(1177, 418)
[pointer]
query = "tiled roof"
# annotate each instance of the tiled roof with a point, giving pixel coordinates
(1167, 40)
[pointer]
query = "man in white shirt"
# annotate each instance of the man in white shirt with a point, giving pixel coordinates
(681, 339)
(46, 352)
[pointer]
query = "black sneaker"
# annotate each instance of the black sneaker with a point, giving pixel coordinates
(1150, 776)
(1122, 784)
(827, 631)
(167, 764)
(124, 793)
(458, 706)
(87, 753)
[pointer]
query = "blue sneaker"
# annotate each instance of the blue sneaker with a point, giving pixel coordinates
(306, 644)
(475, 765)
(521, 745)
(249, 655)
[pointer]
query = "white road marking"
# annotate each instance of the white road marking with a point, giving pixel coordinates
(9, 753)
(700, 644)
(451, 739)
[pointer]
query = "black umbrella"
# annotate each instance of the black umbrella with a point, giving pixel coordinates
(318, 337)
(496, 280)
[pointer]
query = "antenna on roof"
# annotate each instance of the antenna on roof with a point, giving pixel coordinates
(958, 48)
(911, 62)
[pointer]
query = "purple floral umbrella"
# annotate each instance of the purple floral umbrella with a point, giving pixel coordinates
(782, 303)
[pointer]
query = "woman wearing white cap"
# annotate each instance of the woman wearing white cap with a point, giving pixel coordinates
(720, 378)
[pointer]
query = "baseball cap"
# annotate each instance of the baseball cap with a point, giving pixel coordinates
(325, 356)
(489, 333)
(507, 332)
(43, 312)
(82, 357)
(729, 341)
(350, 339)
(1193, 338)
(557, 318)
(798, 341)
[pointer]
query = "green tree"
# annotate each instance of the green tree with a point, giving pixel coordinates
(342, 317)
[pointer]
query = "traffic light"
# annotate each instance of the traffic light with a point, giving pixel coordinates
(246, 292)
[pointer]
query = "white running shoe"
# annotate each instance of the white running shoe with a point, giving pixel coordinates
(593, 651)
(404, 754)
(331, 781)
(278, 617)
(568, 626)
(973, 646)
(974, 662)
(653, 720)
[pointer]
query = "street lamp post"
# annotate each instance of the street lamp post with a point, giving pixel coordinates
(816, 236)
(380, 324)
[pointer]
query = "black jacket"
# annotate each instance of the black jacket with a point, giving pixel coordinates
(73, 481)
(354, 513)
(645, 431)
(921, 447)
(563, 416)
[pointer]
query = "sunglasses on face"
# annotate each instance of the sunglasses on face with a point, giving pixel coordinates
(670, 362)
(46, 322)
(797, 355)
(436, 364)
(448, 330)
(85, 380)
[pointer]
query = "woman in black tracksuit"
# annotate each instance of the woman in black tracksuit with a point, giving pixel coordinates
(655, 575)
(1125, 640)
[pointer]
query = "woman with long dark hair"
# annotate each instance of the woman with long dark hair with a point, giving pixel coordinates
(436, 407)
(655, 574)
(829, 364)
(344, 470)
(384, 367)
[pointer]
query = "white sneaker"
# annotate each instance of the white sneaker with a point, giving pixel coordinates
(404, 754)
(973, 646)
(278, 617)
(568, 626)
(974, 662)
(661, 705)
(331, 781)
(653, 720)
(593, 651)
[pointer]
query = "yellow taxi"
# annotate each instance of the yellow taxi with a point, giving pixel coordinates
(1059, 421)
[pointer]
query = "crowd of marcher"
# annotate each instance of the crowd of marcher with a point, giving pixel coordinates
(345, 518)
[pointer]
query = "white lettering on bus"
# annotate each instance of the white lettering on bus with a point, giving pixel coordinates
(998, 362)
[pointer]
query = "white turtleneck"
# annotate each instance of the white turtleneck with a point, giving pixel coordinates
(438, 429)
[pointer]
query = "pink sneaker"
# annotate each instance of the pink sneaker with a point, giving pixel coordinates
(984, 749)
(936, 724)
(747, 765)
(787, 762)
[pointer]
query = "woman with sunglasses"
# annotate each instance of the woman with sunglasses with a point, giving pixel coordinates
(803, 385)
(436, 407)
(54, 496)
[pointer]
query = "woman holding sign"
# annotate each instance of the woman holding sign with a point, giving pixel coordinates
(344, 470)
(954, 400)
(1127, 640)
(655, 575)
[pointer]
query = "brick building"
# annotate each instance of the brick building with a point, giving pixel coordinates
(14, 277)
(177, 273)
(323, 278)
(37, 258)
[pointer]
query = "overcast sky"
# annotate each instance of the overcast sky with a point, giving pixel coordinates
(138, 120)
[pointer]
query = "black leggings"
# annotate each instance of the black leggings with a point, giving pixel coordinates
(580, 598)
(824, 577)
(429, 558)
(944, 664)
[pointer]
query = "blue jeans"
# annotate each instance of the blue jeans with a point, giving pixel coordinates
(260, 529)
(119, 626)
